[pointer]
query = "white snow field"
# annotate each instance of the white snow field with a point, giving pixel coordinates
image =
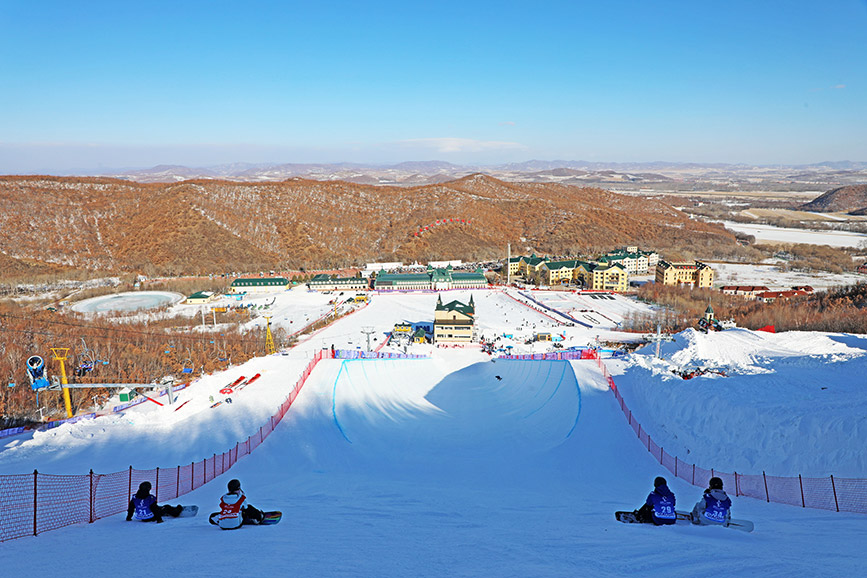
(437, 467)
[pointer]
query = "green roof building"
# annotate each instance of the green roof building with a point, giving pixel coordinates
(259, 285)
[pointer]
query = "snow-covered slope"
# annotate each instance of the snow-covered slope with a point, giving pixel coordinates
(436, 467)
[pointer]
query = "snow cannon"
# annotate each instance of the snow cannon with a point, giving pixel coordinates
(36, 372)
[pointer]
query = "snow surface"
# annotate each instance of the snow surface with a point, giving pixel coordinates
(771, 234)
(435, 467)
(774, 278)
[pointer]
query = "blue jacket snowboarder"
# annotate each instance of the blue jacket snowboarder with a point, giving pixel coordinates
(714, 507)
(143, 506)
(659, 507)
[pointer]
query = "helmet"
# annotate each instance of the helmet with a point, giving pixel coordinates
(145, 486)
(659, 481)
(715, 484)
(234, 485)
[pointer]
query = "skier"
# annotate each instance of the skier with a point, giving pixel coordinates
(659, 507)
(234, 511)
(714, 507)
(143, 506)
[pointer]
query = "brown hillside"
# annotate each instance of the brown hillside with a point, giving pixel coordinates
(840, 200)
(215, 226)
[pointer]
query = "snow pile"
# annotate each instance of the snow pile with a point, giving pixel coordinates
(791, 403)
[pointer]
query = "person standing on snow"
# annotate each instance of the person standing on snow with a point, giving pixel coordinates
(234, 509)
(143, 506)
(714, 507)
(659, 507)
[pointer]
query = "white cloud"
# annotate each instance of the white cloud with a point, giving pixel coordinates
(460, 145)
(839, 86)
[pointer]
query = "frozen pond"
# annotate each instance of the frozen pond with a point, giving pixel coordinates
(131, 301)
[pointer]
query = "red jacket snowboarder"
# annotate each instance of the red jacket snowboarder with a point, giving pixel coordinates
(234, 509)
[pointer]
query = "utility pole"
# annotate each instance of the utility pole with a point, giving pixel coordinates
(368, 331)
(508, 264)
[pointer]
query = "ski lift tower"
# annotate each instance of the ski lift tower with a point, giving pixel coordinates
(368, 331)
(60, 354)
(658, 338)
(269, 338)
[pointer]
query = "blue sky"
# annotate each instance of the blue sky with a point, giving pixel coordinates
(132, 84)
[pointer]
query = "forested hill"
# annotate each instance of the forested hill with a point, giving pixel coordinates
(851, 199)
(197, 227)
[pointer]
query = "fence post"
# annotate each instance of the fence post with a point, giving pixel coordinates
(129, 489)
(737, 491)
(35, 475)
(801, 481)
(833, 487)
(675, 466)
(693, 474)
(178, 483)
(157, 496)
(192, 476)
(91, 496)
(764, 477)
(215, 465)
(660, 454)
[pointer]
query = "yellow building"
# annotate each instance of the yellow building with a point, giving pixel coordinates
(608, 277)
(558, 272)
(693, 273)
(454, 322)
(529, 266)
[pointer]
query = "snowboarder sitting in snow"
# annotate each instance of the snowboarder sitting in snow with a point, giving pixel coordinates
(143, 506)
(234, 509)
(659, 507)
(714, 507)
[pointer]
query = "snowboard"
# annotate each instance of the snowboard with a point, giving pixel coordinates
(626, 517)
(631, 518)
(270, 519)
(189, 512)
(742, 525)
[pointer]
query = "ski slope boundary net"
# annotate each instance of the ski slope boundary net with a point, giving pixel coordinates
(36, 503)
(836, 494)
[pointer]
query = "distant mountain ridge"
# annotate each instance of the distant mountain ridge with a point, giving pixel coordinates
(412, 173)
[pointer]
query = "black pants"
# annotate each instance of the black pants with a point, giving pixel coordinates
(645, 514)
(251, 515)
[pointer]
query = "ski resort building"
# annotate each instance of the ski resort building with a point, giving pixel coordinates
(323, 282)
(259, 285)
(200, 298)
(609, 277)
(635, 261)
(693, 273)
(454, 322)
(431, 279)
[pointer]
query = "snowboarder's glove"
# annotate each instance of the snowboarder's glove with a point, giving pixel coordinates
(129, 518)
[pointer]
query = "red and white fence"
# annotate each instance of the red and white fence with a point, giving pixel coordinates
(34, 503)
